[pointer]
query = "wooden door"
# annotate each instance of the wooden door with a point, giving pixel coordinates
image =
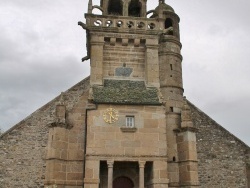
(123, 182)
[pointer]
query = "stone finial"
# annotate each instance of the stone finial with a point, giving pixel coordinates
(90, 5)
(61, 100)
(60, 113)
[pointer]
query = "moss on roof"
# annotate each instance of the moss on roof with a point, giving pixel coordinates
(125, 92)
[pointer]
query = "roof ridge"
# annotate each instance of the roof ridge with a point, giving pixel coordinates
(217, 124)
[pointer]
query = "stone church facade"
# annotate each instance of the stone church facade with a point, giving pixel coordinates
(127, 124)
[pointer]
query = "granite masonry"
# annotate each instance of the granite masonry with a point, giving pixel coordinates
(127, 124)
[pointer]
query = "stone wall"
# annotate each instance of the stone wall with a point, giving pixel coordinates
(23, 148)
(148, 138)
(221, 156)
(119, 59)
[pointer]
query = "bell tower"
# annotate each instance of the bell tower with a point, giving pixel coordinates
(140, 130)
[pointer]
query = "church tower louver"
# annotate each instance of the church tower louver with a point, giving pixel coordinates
(139, 131)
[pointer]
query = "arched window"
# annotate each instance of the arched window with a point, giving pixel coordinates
(115, 7)
(134, 8)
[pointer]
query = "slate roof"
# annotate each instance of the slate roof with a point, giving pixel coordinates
(125, 92)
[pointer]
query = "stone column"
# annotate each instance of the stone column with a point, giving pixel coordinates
(96, 59)
(125, 8)
(141, 175)
(143, 9)
(110, 173)
(186, 145)
(152, 63)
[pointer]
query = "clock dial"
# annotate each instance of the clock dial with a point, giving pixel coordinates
(110, 115)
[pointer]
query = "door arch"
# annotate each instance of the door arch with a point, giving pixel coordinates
(123, 182)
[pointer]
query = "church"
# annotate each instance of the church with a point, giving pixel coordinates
(127, 125)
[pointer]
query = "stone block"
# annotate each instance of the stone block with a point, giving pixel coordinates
(162, 151)
(129, 151)
(73, 146)
(105, 136)
(130, 143)
(180, 138)
(88, 173)
(149, 143)
(112, 144)
(162, 137)
(150, 123)
(75, 154)
(59, 144)
(149, 130)
(74, 176)
(147, 151)
(98, 144)
(173, 167)
(59, 175)
(124, 136)
(192, 167)
(53, 153)
(163, 174)
(173, 177)
(148, 137)
(191, 155)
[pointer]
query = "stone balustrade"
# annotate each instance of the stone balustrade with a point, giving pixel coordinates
(143, 24)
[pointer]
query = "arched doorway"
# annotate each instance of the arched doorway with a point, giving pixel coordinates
(123, 182)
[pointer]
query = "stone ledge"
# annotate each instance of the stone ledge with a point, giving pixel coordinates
(159, 181)
(91, 181)
(185, 129)
(126, 129)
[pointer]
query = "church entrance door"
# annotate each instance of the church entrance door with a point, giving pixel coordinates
(123, 182)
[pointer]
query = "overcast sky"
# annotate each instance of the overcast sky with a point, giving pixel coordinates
(41, 48)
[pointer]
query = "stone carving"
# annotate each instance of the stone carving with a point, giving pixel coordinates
(123, 71)
(168, 31)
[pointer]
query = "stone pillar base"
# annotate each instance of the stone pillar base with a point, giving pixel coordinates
(91, 183)
(159, 183)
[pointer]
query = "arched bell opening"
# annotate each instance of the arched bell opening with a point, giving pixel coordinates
(169, 26)
(115, 7)
(134, 8)
(168, 23)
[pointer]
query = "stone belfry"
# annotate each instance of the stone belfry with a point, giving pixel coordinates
(138, 130)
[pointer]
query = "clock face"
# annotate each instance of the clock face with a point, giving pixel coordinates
(110, 115)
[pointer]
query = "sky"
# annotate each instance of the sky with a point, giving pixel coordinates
(41, 47)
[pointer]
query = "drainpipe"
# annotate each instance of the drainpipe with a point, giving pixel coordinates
(89, 107)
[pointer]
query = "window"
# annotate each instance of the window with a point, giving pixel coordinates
(130, 121)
